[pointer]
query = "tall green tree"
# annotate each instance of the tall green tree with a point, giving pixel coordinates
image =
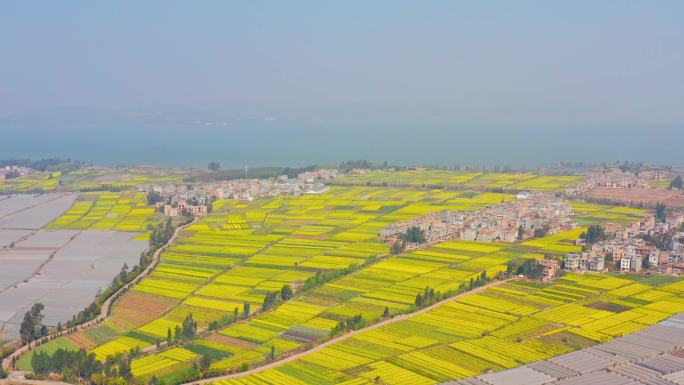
(286, 292)
(397, 247)
(660, 212)
(414, 235)
(32, 325)
(270, 300)
(205, 362)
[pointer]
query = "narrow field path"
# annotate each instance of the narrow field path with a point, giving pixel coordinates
(152, 349)
(40, 267)
(18, 377)
(107, 304)
(343, 337)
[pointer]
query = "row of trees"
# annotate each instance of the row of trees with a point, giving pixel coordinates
(273, 298)
(426, 298)
(321, 278)
(121, 279)
(225, 320)
(32, 328)
(429, 296)
(76, 363)
(80, 366)
(354, 323)
(161, 234)
(480, 280)
(292, 172)
(184, 332)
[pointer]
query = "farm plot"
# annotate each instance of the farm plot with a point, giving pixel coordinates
(32, 212)
(39, 182)
(592, 213)
(123, 211)
(244, 250)
(500, 328)
(158, 362)
(119, 178)
(391, 284)
(83, 263)
(24, 362)
(461, 179)
(560, 243)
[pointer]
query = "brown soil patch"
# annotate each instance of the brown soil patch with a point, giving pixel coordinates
(136, 309)
(225, 340)
(79, 339)
(639, 195)
(612, 307)
(568, 339)
(301, 337)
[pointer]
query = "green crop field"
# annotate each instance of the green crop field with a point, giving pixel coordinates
(123, 211)
(38, 182)
(118, 178)
(89, 179)
(245, 250)
(592, 213)
(503, 327)
(392, 283)
(461, 179)
(24, 362)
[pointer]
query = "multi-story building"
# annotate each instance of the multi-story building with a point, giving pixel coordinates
(549, 269)
(585, 261)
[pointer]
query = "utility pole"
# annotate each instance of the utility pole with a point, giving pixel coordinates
(246, 173)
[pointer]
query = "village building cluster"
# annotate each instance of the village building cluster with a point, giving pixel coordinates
(197, 198)
(10, 172)
(628, 250)
(529, 215)
(613, 178)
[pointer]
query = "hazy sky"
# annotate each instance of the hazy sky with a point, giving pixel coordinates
(458, 71)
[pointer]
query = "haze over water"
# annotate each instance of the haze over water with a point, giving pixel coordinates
(275, 83)
(288, 146)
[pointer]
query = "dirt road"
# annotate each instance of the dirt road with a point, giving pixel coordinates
(18, 378)
(344, 337)
(106, 305)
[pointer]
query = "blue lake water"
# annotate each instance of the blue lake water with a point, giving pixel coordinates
(278, 144)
